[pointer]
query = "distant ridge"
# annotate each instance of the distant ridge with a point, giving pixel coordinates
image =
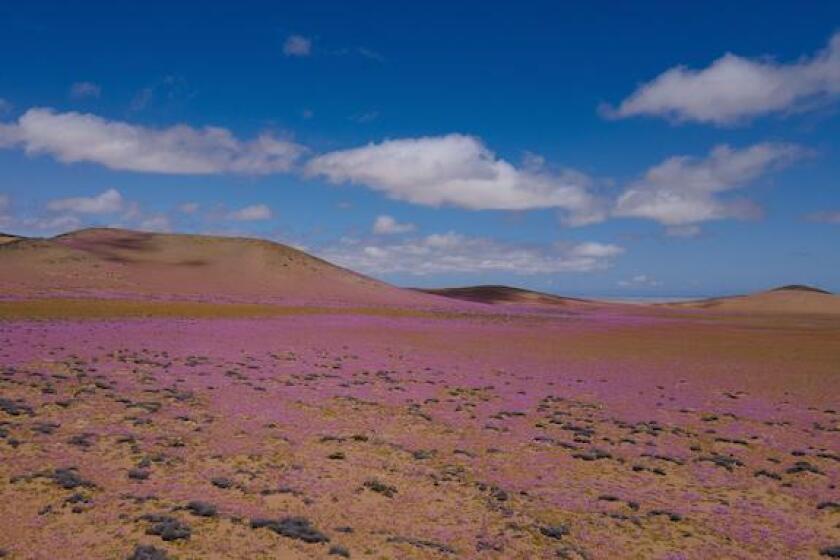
(800, 288)
(498, 294)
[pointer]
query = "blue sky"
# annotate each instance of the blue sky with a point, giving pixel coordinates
(590, 149)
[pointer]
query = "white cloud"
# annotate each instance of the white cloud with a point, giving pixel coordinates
(640, 280)
(682, 191)
(82, 90)
(455, 253)
(593, 250)
(40, 223)
(734, 88)
(457, 170)
(385, 225)
(297, 45)
(107, 202)
(825, 217)
(251, 213)
(181, 149)
(62, 215)
(61, 223)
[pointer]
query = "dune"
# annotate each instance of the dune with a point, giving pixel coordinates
(795, 298)
(132, 262)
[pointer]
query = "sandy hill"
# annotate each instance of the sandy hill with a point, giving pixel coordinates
(505, 295)
(123, 261)
(786, 299)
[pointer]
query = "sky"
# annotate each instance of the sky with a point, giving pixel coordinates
(658, 149)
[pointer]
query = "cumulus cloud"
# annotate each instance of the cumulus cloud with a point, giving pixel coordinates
(682, 191)
(458, 170)
(9, 222)
(386, 225)
(38, 223)
(66, 214)
(54, 224)
(297, 45)
(593, 250)
(107, 202)
(181, 149)
(824, 217)
(734, 88)
(455, 253)
(251, 213)
(82, 90)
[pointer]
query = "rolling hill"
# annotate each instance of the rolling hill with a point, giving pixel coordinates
(493, 294)
(795, 298)
(151, 264)
(107, 261)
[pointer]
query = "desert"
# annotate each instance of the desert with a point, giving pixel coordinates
(170, 418)
(462, 280)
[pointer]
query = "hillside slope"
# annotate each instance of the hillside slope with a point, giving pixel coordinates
(786, 299)
(123, 261)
